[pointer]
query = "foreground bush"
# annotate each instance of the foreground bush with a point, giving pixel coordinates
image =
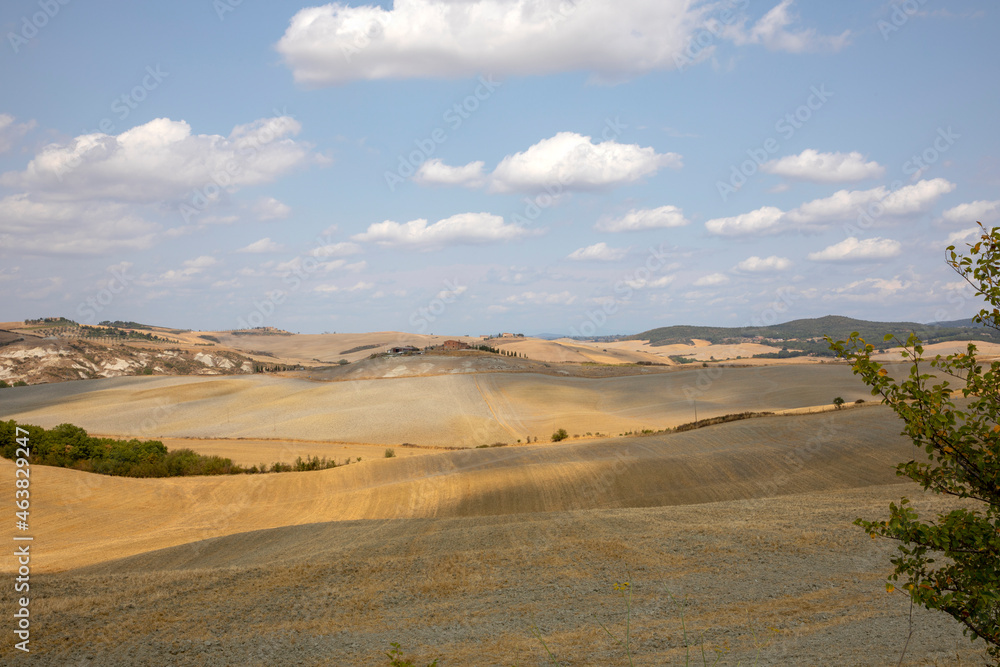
(953, 562)
(69, 446)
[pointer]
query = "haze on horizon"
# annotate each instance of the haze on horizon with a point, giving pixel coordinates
(531, 167)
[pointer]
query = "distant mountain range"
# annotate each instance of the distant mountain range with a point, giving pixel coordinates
(813, 330)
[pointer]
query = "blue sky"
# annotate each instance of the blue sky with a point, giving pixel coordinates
(448, 166)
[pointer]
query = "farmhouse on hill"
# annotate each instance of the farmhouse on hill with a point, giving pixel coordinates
(455, 345)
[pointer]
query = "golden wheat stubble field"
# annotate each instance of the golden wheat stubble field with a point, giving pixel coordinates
(458, 553)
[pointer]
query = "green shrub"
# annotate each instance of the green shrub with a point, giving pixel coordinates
(20, 383)
(390, 453)
(3, 384)
(561, 434)
(396, 658)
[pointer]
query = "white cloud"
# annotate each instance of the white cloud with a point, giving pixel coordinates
(642, 219)
(436, 172)
(162, 161)
(848, 205)
(811, 165)
(853, 250)
(712, 279)
(598, 252)
(572, 161)
(869, 290)
(446, 294)
(269, 208)
(192, 268)
(639, 283)
(770, 32)
(261, 246)
(71, 228)
(878, 203)
(764, 265)
(10, 131)
(464, 228)
(542, 298)
(961, 235)
(442, 38)
(978, 211)
(335, 43)
(357, 287)
(763, 220)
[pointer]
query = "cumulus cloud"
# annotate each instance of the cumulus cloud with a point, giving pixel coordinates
(162, 161)
(853, 250)
(772, 33)
(764, 220)
(600, 252)
(978, 211)
(640, 283)
(71, 228)
(574, 162)
(90, 195)
(811, 165)
(756, 264)
(464, 228)
(261, 246)
(712, 280)
(842, 206)
(334, 43)
(870, 290)
(269, 208)
(191, 268)
(357, 287)
(643, 219)
(436, 172)
(10, 131)
(962, 235)
(443, 38)
(847, 204)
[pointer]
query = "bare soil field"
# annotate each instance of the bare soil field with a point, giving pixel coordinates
(776, 581)
(455, 409)
(85, 518)
(251, 451)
